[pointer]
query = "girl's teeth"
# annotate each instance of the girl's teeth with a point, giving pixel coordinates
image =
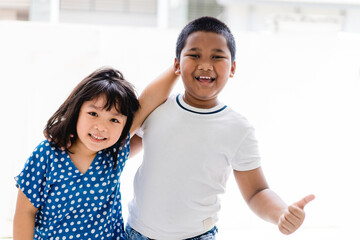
(96, 137)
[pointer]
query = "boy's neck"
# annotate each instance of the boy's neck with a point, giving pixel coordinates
(200, 103)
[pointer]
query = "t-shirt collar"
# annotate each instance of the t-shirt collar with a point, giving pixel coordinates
(180, 101)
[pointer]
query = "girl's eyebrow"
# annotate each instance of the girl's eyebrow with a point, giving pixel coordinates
(117, 114)
(95, 107)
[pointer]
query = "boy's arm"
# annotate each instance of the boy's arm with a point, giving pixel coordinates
(267, 204)
(24, 218)
(153, 95)
(135, 145)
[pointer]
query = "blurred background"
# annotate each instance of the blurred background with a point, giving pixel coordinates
(297, 81)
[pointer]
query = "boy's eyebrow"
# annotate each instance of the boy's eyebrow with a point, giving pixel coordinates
(194, 49)
(217, 50)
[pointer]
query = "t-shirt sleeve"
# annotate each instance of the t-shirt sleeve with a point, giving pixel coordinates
(140, 131)
(247, 156)
(32, 180)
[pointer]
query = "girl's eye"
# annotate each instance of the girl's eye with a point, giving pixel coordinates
(114, 120)
(94, 114)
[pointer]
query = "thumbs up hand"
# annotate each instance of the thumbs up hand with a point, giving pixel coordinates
(294, 216)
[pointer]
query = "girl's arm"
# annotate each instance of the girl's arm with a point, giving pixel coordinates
(24, 218)
(267, 204)
(153, 95)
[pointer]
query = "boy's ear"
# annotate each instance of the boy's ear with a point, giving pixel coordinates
(177, 67)
(232, 70)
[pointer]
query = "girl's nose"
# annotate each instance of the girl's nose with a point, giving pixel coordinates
(101, 127)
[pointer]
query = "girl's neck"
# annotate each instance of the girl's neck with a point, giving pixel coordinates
(80, 149)
(81, 156)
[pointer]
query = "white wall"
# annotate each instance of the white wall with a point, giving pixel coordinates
(302, 93)
(265, 16)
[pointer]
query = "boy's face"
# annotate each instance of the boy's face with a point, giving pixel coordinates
(205, 66)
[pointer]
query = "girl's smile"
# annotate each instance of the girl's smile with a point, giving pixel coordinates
(97, 127)
(96, 138)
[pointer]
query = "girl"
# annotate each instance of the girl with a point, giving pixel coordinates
(74, 192)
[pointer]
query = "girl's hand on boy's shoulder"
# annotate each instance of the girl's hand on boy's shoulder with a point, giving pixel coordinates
(294, 216)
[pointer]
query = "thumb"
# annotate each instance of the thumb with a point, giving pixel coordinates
(302, 203)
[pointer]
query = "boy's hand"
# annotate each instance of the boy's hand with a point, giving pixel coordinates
(294, 216)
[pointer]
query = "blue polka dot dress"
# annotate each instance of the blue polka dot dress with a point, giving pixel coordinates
(72, 205)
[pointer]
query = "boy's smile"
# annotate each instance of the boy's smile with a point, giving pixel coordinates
(205, 66)
(205, 79)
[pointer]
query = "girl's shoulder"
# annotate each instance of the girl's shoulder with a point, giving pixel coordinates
(45, 153)
(123, 153)
(46, 147)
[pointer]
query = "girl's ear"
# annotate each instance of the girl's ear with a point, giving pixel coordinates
(232, 70)
(177, 67)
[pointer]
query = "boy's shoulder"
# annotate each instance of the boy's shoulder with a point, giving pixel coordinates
(235, 114)
(170, 102)
(172, 97)
(237, 118)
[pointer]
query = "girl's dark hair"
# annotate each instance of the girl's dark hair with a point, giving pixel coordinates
(206, 24)
(118, 92)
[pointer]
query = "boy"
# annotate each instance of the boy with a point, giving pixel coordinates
(192, 142)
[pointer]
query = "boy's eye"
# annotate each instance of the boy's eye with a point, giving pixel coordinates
(194, 56)
(94, 114)
(218, 57)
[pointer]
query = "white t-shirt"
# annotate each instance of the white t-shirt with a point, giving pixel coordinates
(188, 156)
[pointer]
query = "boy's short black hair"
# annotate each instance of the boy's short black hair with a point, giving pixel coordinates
(206, 24)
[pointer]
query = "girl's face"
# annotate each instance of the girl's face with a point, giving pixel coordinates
(97, 128)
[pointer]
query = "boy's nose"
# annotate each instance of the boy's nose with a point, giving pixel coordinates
(205, 66)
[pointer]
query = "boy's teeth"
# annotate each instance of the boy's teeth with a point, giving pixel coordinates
(204, 78)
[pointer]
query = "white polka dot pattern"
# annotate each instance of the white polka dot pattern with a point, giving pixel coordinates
(72, 205)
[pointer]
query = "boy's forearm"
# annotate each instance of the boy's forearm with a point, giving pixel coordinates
(135, 145)
(268, 205)
(23, 228)
(159, 89)
(153, 95)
